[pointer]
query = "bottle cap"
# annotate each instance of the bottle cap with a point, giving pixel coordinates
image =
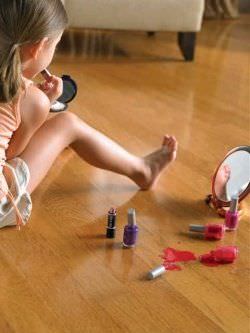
(112, 211)
(196, 227)
(156, 272)
(234, 204)
(131, 217)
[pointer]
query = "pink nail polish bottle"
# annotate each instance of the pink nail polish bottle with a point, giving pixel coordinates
(210, 231)
(232, 216)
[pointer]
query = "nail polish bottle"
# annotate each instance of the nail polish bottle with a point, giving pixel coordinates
(221, 255)
(210, 231)
(232, 216)
(111, 226)
(225, 254)
(130, 230)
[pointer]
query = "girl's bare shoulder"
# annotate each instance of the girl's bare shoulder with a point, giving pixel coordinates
(33, 101)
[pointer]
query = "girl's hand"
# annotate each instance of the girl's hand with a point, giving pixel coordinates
(52, 87)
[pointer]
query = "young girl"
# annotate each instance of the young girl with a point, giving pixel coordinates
(29, 140)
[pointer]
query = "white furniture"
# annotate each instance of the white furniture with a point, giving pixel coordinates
(182, 16)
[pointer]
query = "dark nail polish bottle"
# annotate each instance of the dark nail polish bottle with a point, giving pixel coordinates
(130, 230)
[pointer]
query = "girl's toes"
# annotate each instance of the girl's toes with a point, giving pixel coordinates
(173, 141)
(174, 145)
(165, 140)
(170, 142)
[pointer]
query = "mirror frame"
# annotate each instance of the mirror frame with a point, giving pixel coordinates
(220, 203)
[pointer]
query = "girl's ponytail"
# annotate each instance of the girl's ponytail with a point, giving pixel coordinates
(23, 22)
(10, 74)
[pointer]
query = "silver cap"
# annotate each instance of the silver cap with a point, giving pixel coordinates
(196, 227)
(156, 272)
(131, 217)
(234, 204)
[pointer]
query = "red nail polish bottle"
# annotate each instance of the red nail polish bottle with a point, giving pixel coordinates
(221, 255)
(210, 231)
(225, 254)
(232, 216)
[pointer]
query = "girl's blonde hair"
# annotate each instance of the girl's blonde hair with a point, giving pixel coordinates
(23, 22)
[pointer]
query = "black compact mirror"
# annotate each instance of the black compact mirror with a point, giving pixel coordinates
(69, 92)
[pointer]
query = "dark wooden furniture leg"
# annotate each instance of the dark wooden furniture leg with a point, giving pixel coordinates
(186, 41)
(151, 33)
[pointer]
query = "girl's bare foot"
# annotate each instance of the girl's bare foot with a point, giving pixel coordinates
(155, 163)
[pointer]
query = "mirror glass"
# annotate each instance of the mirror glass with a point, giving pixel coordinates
(69, 89)
(233, 175)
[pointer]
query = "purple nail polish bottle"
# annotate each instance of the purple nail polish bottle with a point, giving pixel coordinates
(130, 230)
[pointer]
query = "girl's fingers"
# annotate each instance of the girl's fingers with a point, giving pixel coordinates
(53, 87)
(57, 84)
(45, 85)
(57, 89)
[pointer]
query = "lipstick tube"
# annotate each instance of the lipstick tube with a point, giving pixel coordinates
(156, 272)
(111, 226)
(232, 215)
(46, 74)
(210, 231)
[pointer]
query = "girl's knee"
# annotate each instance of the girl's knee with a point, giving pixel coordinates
(70, 122)
(72, 126)
(69, 119)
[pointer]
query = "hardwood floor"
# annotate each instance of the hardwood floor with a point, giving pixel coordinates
(60, 273)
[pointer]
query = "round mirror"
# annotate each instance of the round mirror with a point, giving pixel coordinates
(232, 177)
(69, 89)
(69, 93)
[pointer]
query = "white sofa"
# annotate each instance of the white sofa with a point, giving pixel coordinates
(182, 16)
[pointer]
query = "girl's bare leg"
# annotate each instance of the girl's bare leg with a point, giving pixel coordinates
(66, 129)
